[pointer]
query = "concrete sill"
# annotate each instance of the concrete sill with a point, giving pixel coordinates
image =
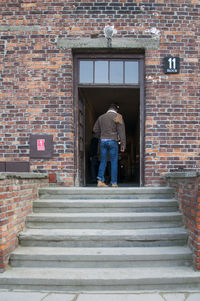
(187, 174)
(23, 175)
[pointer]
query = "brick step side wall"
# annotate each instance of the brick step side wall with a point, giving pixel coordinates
(17, 193)
(187, 192)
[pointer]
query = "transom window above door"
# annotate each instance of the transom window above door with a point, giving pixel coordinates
(123, 72)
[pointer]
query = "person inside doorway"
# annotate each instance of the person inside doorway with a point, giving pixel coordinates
(110, 128)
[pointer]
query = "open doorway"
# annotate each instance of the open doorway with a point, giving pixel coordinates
(96, 101)
(99, 80)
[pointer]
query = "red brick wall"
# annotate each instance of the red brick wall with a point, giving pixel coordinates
(16, 197)
(187, 192)
(37, 91)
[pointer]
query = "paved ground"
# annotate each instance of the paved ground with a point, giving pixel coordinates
(137, 296)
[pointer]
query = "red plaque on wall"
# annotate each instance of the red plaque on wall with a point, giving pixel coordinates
(41, 146)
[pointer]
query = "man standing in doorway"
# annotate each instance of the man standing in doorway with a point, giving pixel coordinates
(110, 128)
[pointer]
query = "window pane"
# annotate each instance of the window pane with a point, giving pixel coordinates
(101, 72)
(116, 72)
(131, 72)
(86, 72)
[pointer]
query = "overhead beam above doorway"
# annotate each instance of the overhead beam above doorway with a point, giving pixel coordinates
(144, 43)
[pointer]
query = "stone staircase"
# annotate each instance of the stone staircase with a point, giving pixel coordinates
(105, 239)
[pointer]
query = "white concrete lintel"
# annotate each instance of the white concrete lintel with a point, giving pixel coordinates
(76, 43)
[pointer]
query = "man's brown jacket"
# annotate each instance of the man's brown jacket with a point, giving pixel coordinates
(111, 126)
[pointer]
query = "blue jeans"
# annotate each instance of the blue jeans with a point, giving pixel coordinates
(111, 147)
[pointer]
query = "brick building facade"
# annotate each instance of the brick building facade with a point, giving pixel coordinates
(42, 46)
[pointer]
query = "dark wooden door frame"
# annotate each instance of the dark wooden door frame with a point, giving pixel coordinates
(76, 85)
(142, 122)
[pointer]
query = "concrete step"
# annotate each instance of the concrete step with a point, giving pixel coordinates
(100, 257)
(100, 206)
(106, 193)
(165, 278)
(104, 220)
(103, 238)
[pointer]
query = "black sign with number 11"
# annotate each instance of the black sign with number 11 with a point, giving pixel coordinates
(171, 64)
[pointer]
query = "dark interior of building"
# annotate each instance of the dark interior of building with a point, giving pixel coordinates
(96, 102)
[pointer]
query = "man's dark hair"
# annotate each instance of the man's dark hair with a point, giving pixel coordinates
(114, 106)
